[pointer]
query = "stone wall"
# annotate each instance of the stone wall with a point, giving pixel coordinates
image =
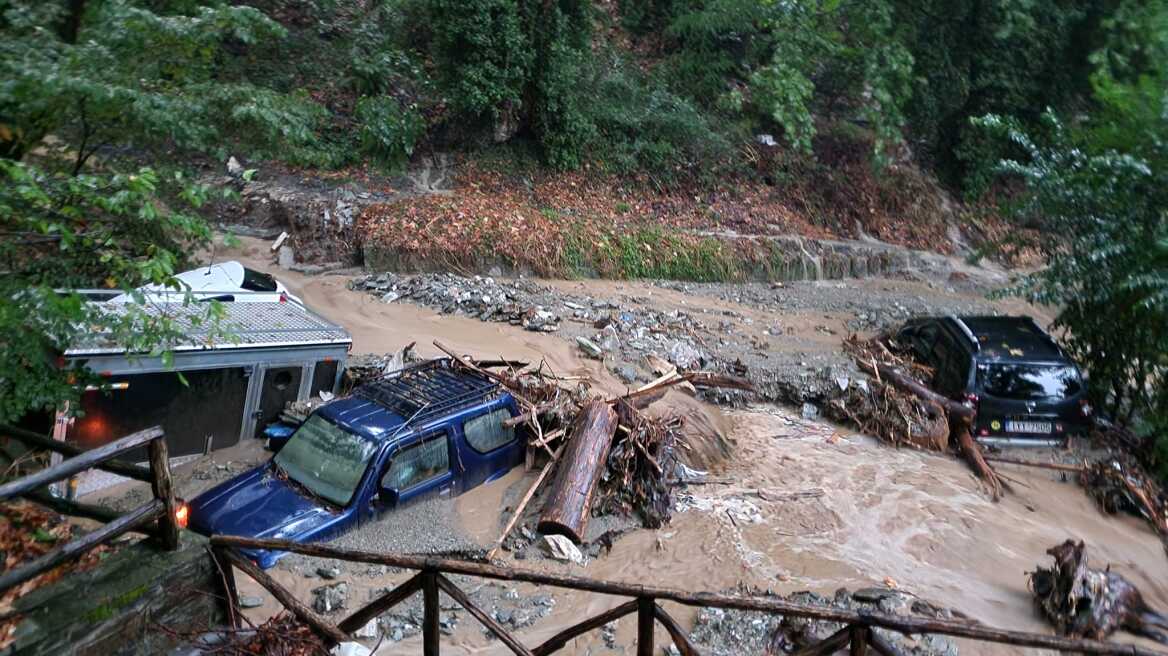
(117, 607)
(765, 259)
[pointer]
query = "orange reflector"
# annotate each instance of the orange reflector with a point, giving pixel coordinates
(182, 515)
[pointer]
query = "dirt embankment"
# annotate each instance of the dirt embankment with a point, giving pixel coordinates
(466, 216)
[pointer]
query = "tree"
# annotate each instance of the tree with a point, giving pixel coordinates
(61, 231)
(117, 73)
(1108, 270)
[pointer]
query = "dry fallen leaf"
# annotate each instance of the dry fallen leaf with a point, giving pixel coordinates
(890, 582)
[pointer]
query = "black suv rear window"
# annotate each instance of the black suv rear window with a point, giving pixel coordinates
(258, 281)
(1026, 381)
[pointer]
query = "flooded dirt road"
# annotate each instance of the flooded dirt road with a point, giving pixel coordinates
(885, 516)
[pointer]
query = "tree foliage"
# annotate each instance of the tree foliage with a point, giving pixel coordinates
(64, 232)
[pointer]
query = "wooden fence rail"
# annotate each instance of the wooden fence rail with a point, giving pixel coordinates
(160, 509)
(856, 634)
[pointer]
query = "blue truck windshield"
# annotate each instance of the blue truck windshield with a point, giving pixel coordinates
(326, 459)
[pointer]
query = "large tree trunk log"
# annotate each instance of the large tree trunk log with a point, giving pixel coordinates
(585, 453)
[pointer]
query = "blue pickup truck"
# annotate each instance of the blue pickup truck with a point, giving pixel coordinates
(434, 429)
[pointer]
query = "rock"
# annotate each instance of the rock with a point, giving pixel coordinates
(250, 602)
(810, 411)
(328, 572)
(351, 649)
(610, 339)
(589, 347)
(330, 598)
(369, 632)
(234, 168)
(285, 257)
(561, 548)
(627, 373)
(685, 356)
(390, 297)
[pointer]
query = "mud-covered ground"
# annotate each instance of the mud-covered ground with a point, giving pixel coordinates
(800, 505)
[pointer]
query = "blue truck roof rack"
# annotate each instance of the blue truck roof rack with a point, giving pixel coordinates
(429, 389)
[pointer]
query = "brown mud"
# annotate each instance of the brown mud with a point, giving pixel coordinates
(887, 516)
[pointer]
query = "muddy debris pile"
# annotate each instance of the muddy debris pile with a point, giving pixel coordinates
(607, 455)
(898, 405)
(362, 368)
(605, 327)
(1120, 484)
(282, 634)
(720, 632)
(1084, 602)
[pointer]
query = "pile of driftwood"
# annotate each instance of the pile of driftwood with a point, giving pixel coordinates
(1119, 484)
(640, 473)
(282, 635)
(1083, 602)
(899, 407)
(607, 454)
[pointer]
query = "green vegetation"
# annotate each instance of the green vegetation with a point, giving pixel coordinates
(1101, 185)
(61, 231)
(869, 103)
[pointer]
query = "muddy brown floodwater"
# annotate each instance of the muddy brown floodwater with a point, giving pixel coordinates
(886, 516)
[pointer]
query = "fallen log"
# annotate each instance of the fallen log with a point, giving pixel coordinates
(585, 454)
(953, 408)
(523, 503)
(960, 419)
(697, 378)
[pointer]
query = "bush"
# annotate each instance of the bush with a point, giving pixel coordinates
(388, 131)
(641, 126)
(1110, 276)
(484, 56)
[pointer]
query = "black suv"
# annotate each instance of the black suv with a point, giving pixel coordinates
(1022, 385)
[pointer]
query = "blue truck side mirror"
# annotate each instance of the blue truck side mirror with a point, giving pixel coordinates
(278, 435)
(388, 496)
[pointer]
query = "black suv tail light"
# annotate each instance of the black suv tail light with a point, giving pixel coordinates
(971, 401)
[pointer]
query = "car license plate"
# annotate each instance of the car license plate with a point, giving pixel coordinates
(1028, 426)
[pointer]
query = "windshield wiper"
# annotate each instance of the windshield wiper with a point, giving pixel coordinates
(282, 474)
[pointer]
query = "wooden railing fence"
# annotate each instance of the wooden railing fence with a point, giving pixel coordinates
(160, 509)
(856, 635)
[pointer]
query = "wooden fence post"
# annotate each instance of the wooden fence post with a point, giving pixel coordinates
(430, 637)
(230, 591)
(646, 614)
(859, 640)
(164, 491)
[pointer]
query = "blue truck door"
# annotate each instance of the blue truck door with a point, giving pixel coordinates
(423, 468)
(489, 448)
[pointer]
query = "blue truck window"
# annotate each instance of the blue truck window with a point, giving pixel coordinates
(487, 433)
(418, 463)
(326, 459)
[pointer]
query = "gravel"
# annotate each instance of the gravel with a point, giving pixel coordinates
(728, 632)
(874, 310)
(623, 329)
